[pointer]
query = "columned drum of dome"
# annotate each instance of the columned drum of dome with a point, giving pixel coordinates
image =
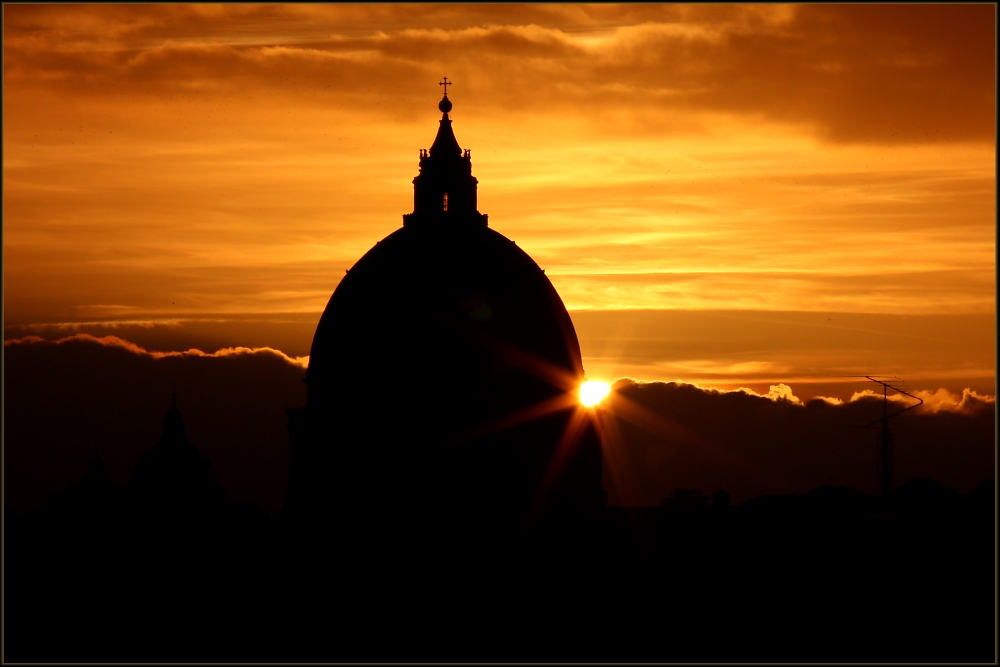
(442, 376)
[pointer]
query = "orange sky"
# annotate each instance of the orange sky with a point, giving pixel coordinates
(178, 165)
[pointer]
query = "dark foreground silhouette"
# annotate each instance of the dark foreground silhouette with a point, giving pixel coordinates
(827, 576)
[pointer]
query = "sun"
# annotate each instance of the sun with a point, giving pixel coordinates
(592, 392)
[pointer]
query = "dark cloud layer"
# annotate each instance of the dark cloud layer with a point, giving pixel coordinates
(63, 400)
(663, 436)
(857, 73)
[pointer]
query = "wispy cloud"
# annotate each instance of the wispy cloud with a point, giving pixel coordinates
(114, 341)
(938, 400)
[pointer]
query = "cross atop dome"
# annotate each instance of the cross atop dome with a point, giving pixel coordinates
(445, 104)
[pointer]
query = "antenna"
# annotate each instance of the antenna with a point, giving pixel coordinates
(884, 460)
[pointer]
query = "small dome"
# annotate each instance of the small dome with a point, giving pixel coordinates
(173, 476)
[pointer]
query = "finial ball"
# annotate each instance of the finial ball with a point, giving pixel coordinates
(444, 105)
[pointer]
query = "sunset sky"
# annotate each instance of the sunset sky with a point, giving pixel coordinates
(730, 195)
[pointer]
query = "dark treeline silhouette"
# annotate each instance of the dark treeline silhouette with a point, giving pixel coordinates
(461, 517)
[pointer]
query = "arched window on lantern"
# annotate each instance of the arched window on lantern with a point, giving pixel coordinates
(445, 202)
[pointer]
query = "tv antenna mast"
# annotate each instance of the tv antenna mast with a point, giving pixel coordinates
(884, 457)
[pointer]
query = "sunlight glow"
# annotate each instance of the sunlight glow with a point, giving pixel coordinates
(592, 392)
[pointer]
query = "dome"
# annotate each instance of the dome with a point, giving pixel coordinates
(443, 309)
(444, 367)
(174, 477)
(93, 502)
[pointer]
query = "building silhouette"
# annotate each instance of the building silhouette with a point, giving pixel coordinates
(95, 505)
(173, 483)
(442, 379)
(720, 500)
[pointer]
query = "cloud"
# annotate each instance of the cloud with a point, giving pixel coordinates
(115, 341)
(850, 72)
(939, 400)
(832, 400)
(65, 399)
(816, 353)
(202, 160)
(968, 402)
(291, 333)
(662, 436)
(780, 392)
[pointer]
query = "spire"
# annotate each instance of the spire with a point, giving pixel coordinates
(173, 424)
(445, 190)
(445, 144)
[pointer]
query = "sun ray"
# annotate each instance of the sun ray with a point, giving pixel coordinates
(517, 417)
(620, 406)
(656, 424)
(535, 365)
(557, 464)
(618, 471)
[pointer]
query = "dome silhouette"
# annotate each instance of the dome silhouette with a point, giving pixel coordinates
(173, 478)
(443, 371)
(95, 502)
(430, 309)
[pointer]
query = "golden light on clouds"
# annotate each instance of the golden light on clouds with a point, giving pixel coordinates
(165, 161)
